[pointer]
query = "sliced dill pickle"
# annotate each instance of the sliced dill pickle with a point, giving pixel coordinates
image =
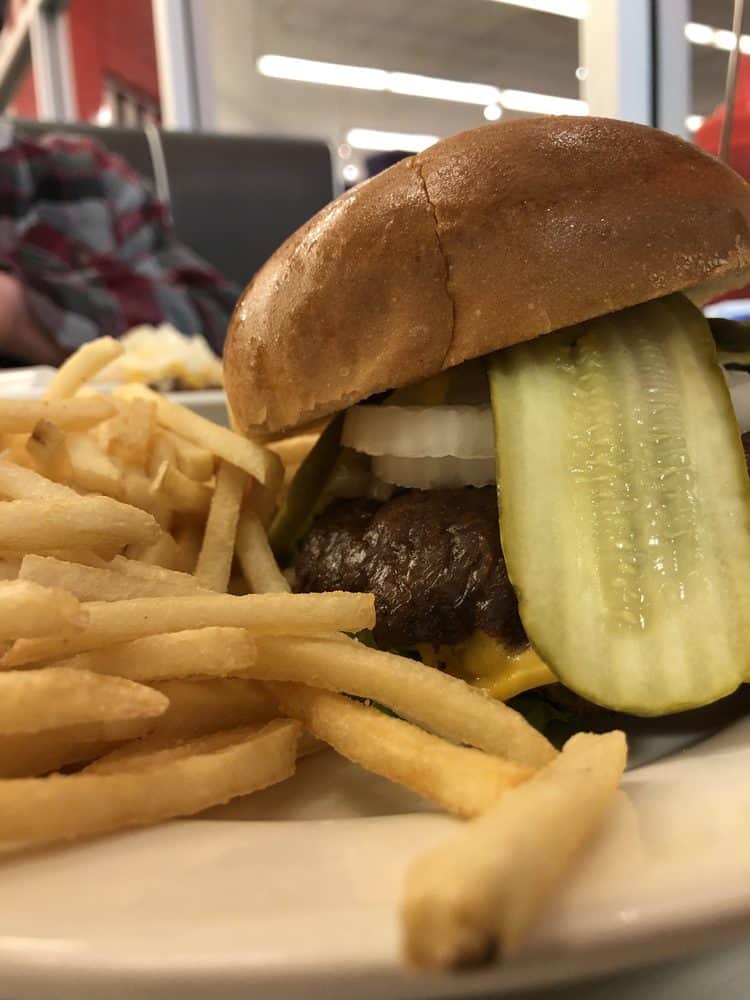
(296, 514)
(625, 513)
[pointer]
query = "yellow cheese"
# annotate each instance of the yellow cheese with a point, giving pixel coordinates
(432, 392)
(486, 663)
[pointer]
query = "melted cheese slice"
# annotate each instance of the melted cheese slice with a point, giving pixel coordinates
(486, 663)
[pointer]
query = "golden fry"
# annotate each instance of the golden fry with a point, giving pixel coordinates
(463, 781)
(196, 462)
(265, 614)
(128, 434)
(27, 755)
(443, 704)
(47, 446)
(204, 652)
(478, 892)
(28, 609)
(215, 557)
(180, 584)
(164, 552)
(259, 567)
(35, 700)
(20, 416)
(81, 366)
(180, 492)
(91, 583)
(197, 707)
(63, 807)
(19, 483)
(88, 522)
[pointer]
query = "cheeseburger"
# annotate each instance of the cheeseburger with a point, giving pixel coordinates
(531, 456)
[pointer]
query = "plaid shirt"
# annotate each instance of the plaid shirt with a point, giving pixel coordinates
(94, 248)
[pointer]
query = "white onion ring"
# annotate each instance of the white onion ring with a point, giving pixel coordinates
(434, 473)
(420, 431)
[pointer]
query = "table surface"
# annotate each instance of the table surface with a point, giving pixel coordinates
(723, 974)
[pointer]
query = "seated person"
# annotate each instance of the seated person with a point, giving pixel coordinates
(86, 250)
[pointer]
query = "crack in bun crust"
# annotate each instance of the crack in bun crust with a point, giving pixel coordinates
(486, 239)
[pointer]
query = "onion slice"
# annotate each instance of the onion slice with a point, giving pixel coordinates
(420, 431)
(434, 473)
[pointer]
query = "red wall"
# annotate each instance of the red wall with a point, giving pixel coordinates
(115, 36)
(106, 36)
(24, 101)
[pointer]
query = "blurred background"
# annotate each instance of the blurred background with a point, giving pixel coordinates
(240, 118)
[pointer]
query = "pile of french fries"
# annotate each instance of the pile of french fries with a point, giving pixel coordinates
(154, 664)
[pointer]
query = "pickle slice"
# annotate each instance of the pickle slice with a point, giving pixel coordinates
(625, 511)
(298, 511)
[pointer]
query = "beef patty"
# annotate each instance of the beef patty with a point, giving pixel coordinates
(432, 559)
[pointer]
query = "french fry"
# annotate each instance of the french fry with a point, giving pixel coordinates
(128, 434)
(91, 469)
(188, 534)
(20, 416)
(215, 557)
(206, 652)
(162, 450)
(85, 557)
(48, 449)
(27, 755)
(180, 584)
(87, 522)
(463, 781)
(265, 614)
(136, 757)
(28, 609)
(196, 462)
(19, 483)
(257, 461)
(164, 552)
(35, 700)
(264, 501)
(181, 492)
(443, 704)
(81, 366)
(259, 567)
(477, 893)
(197, 707)
(90, 583)
(293, 450)
(179, 783)
(136, 490)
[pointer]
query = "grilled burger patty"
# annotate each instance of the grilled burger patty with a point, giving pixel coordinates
(432, 559)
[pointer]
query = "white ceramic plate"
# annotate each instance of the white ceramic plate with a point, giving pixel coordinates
(30, 383)
(297, 890)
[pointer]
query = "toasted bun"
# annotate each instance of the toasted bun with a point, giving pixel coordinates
(486, 239)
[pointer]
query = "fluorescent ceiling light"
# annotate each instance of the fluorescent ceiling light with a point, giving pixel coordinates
(699, 34)
(414, 85)
(442, 90)
(372, 138)
(332, 74)
(694, 122)
(716, 38)
(565, 8)
(541, 104)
